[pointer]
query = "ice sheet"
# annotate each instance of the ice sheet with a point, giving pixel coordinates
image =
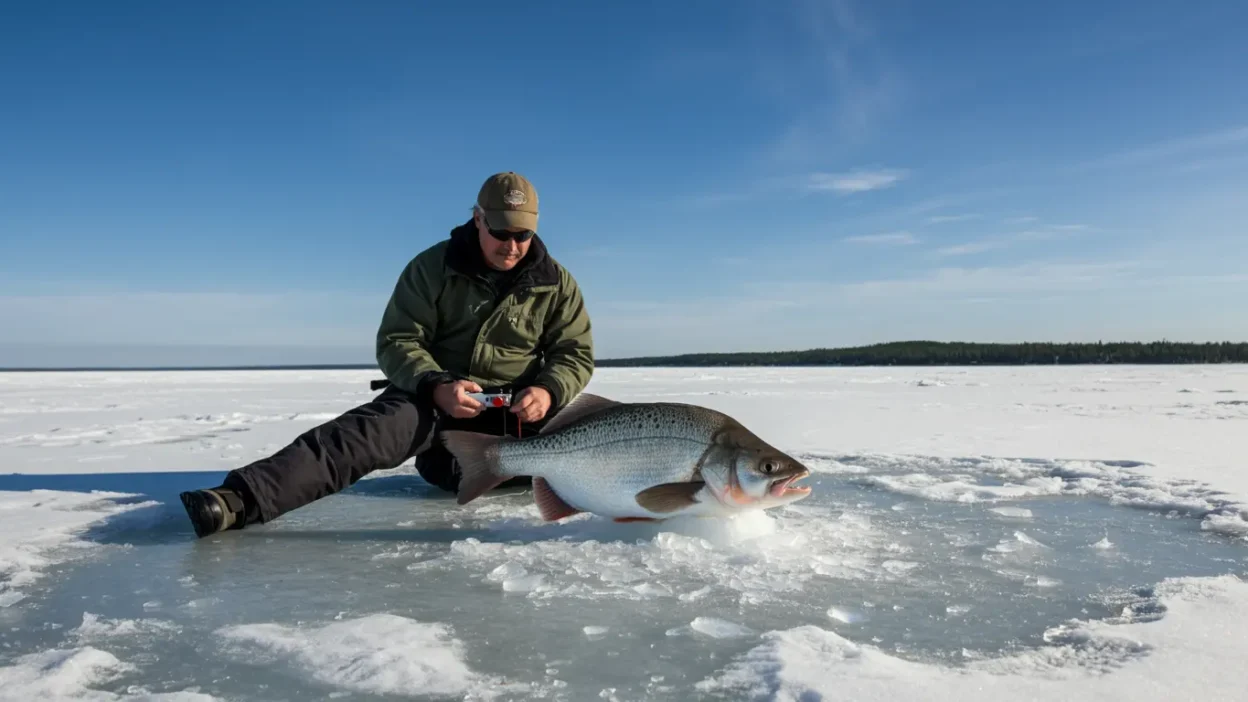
(994, 467)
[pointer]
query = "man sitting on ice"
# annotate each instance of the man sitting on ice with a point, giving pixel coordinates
(487, 309)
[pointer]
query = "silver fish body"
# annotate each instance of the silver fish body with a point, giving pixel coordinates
(634, 461)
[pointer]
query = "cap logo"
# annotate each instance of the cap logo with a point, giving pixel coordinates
(515, 198)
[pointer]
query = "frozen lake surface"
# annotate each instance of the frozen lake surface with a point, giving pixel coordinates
(1026, 533)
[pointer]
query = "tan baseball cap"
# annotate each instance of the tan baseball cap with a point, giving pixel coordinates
(509, 200)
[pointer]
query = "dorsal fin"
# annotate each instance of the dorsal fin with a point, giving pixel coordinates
(584, 405)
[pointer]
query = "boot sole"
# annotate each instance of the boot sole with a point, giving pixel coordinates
(204, 512)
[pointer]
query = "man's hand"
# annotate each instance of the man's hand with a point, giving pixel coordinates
(531, 403)
(453, 399)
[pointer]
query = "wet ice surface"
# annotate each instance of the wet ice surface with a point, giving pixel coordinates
(391, 588)
(930, 564)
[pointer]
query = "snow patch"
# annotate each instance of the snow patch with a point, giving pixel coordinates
(1230, 524)
(71, 674)
(1191, 648)
(95, 627)
(378, 654)
(975, 480)
(963, 489)
(39, 528)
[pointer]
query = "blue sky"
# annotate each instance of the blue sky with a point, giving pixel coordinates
(242, 182)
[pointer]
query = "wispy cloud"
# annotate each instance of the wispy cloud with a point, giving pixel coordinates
(845, 184)
(946, 219)
(860, 181)
(1179, 147)
(1007, 240)
(973, 247)
(996, 281)
(1042, 278)
(890, 239)
(839, 74)
(1001, 280)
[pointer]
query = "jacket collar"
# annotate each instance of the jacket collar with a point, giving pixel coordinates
(463, 255)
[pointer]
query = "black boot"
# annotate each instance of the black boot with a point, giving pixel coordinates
(214, 510)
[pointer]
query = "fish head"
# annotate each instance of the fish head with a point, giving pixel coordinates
(768, 478)
(745, 472)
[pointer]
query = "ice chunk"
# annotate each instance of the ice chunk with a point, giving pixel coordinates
(526, 583)
(719, 628)
(847, 615)
(899, 568)
(652, 590)
(507, 571)
(96, 627)
(1012, 512)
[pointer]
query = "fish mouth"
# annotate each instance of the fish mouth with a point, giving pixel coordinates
(784, 486)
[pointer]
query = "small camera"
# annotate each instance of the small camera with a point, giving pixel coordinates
(492, 399)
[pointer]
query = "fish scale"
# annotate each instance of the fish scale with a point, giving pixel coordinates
(625, 449)
(632, 460)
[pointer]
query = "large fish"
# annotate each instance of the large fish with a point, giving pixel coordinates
(632, 462)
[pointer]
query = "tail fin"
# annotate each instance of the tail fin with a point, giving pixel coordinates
(478, 460)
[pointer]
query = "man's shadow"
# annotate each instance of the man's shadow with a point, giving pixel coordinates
(156, 515)
(152, 512)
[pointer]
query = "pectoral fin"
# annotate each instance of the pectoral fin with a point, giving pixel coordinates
(670, 497)
(549, 503)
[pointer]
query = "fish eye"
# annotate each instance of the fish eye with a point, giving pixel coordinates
(769, 467)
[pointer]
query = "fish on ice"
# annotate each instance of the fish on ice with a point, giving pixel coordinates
(633, 461)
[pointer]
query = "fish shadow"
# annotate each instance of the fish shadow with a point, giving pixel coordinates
(717, 531)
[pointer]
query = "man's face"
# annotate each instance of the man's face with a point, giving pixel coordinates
(500, 255)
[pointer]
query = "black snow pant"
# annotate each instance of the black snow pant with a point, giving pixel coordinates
(378, 435)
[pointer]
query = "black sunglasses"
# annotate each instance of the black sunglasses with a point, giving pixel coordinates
(504, 235)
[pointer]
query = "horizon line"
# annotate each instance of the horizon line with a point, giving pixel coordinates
(608, 362)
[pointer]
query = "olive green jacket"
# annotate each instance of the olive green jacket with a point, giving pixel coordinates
(445, 320)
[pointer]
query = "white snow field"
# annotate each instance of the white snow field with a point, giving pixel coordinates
(1034, 533)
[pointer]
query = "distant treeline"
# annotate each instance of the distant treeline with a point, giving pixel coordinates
(899, 353)
(935, 353)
